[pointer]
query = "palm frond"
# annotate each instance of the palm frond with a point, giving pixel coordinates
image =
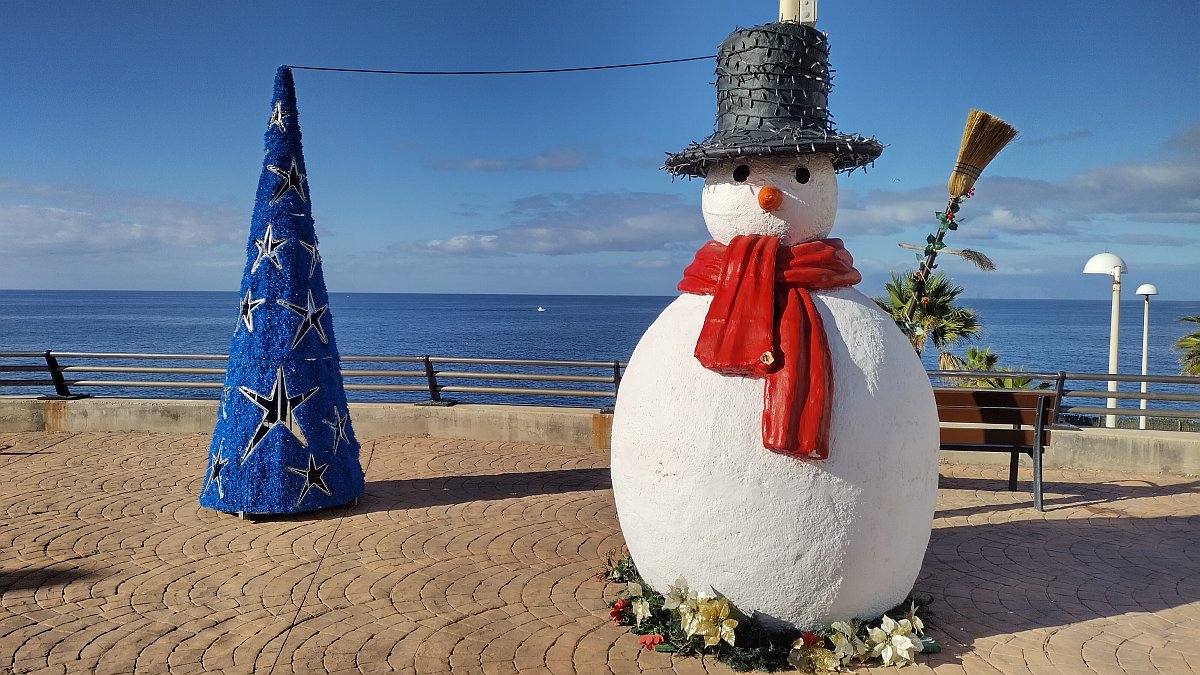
(976, 258)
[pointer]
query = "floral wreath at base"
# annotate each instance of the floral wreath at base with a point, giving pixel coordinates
(689, 623)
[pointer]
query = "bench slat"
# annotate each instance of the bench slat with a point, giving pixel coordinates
(1023, 416)
(988, 398)
(1020, 439)
(1006, 449)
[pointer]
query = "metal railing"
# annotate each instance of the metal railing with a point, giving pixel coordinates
(63, 371)
(1075, 398)
(435, 378)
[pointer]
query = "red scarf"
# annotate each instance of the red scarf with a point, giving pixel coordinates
(762, 323)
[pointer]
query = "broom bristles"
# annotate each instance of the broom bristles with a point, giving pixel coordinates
(983, 138)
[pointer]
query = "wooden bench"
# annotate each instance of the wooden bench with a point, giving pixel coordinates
(1015, 421)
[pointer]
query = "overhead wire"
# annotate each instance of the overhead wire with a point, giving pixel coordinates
(504, 72)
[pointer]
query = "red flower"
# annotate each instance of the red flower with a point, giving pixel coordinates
(810, 638)
(617, 608)
(649, 641)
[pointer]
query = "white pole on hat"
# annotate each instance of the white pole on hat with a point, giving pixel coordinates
(802, 11)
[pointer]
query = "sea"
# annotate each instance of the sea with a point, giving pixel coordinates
(1034, 335)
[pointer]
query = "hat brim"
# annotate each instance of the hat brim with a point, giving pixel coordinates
(848, 151)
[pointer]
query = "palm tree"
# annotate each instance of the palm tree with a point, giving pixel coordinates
(1190, 346)
(986, 360)
(938, 320)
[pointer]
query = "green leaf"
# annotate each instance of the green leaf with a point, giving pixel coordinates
(666, 647)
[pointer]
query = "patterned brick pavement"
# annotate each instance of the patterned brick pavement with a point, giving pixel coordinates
(471, 557)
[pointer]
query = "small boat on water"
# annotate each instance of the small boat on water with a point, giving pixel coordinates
(541, 309)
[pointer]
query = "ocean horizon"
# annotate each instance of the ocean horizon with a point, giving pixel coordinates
(1034, 335)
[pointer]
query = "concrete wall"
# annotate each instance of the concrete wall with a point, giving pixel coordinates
(586, 427)
(1126, 450)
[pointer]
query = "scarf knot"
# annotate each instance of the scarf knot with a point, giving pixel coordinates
(762, 323)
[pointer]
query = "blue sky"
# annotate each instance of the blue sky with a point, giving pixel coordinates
(131, 140)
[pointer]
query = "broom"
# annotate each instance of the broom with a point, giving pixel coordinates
(983, 138)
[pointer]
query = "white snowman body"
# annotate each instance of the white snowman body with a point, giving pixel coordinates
(796, 542)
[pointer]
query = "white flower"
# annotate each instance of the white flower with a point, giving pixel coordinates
(677, 594)
(894, 642)
(846, 644)
(917, 624)
(633, 590)
(641, 610)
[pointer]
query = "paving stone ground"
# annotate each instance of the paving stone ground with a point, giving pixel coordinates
(469, 557)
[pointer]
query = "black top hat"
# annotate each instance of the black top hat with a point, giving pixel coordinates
(772, 89)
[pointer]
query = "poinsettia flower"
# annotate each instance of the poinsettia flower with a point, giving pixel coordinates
(633, 590)
(709, 618)
(847, 646)
(677, 594)
(917, 625)
(894, 642)
(617, 609)
(650, 641)
(641, 610)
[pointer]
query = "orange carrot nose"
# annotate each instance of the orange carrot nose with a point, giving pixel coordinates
(770, 198)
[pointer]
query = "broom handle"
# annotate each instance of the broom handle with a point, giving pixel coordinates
(924, 269)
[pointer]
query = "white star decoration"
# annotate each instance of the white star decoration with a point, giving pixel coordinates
(311, 319)
(268, 249)
(214, 472)
(316, 256)
(277, 409)
(292, 180)
(314, 477)
(339, 428)
(245, 309)
(277, 117)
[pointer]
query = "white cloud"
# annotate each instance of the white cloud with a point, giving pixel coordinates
(1161, 190)
(40, 219)
(558, 224)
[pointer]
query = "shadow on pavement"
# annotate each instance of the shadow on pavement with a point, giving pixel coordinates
(416, 493)
(1001, 578)
(57, 575)
(1058, 495)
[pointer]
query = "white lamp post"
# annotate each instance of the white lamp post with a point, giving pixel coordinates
(803, 11)
(1111, 264)
(1145, 290)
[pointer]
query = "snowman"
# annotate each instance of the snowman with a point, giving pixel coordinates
(775, 438)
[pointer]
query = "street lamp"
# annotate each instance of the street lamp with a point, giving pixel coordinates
(1145, 290)
(1111, 264)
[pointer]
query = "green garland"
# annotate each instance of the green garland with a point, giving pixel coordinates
(741, 642)
(925, 266)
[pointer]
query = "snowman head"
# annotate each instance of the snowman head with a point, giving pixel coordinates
(793, 197)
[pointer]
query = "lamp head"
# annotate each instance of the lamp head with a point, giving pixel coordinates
(1104, 263)
(1147, 289)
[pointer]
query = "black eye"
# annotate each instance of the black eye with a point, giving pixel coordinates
(741, 173)
(802, 175)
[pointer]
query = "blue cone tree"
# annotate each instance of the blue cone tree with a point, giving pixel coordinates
(283, 442)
